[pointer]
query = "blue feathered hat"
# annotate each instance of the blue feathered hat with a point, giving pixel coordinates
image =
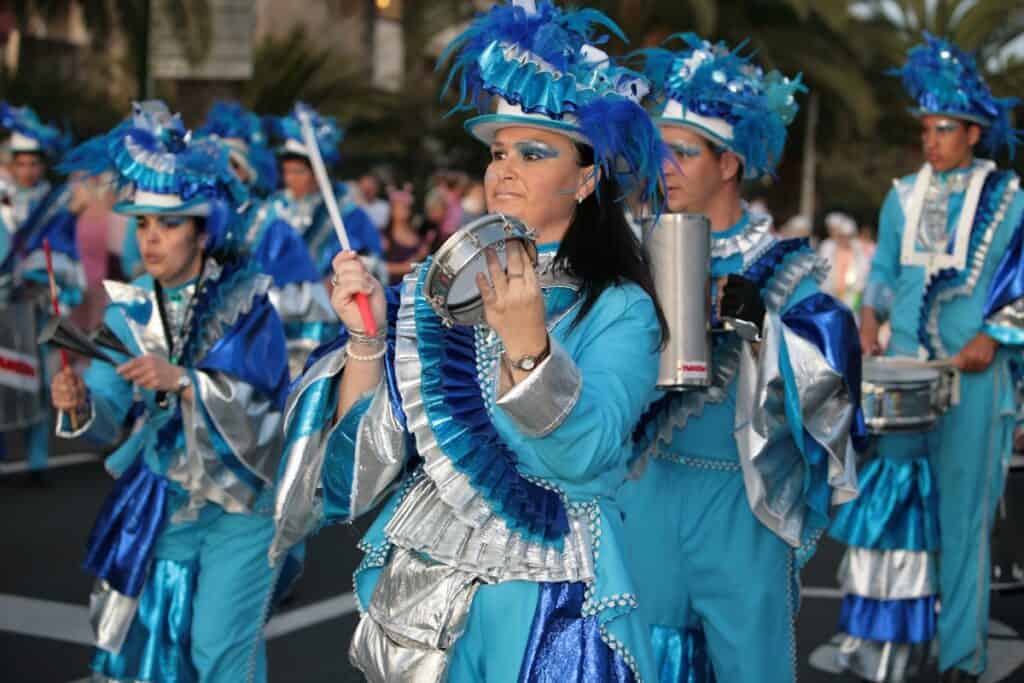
(944, 80)
(29, 134)
(725, 97)
(544, 68)
(289, 132)
(242, 131)
(167, 171)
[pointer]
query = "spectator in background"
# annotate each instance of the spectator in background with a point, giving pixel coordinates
(435, 208)
(849, 260)
(367, 195)
(404, 245)
(474, 203)
(99, 233)
(452, 184)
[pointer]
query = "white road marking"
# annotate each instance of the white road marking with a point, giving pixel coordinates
(52, 463)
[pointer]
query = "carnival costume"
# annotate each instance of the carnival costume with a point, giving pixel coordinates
(179, 548)
(740, 476)
(498, 552)
(308, 215)
(947, 267)
(37, 215)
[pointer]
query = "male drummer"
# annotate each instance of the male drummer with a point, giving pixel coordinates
(40, 212)
(740, 476)
(302, 205)
(946, 275)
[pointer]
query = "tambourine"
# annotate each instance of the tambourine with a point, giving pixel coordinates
(450, 284)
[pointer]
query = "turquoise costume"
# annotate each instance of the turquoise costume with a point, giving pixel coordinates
(38, 214)
(946, 268)
(498, 552)
(178, 549)
(308, 215)
(734, 482)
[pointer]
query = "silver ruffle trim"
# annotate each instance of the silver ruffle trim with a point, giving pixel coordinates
(751, 243)
(423, 522)
(888, 574)
(881, 661)
(111, 614)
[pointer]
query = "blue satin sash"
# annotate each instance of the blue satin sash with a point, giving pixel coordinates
(566, 647)
(123, 537)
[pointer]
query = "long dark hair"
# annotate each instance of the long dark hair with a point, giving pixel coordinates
(601, 249)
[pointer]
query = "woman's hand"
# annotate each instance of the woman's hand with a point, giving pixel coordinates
(152, 372)
(350, 278)
(514, 303)
(67, 391)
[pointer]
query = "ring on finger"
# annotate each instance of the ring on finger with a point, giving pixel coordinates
(334, 279)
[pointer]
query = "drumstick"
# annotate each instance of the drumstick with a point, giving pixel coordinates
(914, 362)
(320, 171)
(64, 363)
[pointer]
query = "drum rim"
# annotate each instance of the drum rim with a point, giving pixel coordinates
(448, 247)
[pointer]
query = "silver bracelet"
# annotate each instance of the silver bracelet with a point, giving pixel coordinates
(376, 355)
(360, 338)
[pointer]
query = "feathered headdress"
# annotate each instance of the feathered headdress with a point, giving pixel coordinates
(543, 65)
(167, 171)
(29, 134)
(242, 131)
(289, 132)
(725, 97)
(944, 80)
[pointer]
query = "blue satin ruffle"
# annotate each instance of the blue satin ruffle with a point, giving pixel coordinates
(1008, 282)
(283, 254)
(897, 509)
(456, 408)
(525, 84)
(896, 621)
(566, 647)
(830, 326)
(158, 645)
(681, 655)
(123, 537)
(253, 351)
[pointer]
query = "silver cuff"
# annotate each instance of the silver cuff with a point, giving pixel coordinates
(540, 404)
(111, 614)
(888, 574)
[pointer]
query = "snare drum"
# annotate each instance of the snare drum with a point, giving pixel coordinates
(903, 394)
(450, 285)
(21, 375)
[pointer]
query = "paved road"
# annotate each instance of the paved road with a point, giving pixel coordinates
(44, 631)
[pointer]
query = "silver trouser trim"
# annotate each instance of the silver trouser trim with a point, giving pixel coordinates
(380, 452)
(111, 614)
(878, 661)
(418, 610)
(424, 523)
(888, 574)
(539, 404)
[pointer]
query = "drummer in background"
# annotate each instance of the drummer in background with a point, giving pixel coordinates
(848, 258)
(300, 203)
(499, 448)
(179, 547)
(41, 212)
(946, 276)
(299, 293)
(740, 476)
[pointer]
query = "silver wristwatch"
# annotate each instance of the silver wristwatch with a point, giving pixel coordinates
(184, 382)
(528, 363)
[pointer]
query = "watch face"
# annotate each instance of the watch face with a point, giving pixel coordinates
(527, 363)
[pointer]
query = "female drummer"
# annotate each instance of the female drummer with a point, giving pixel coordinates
(180, 544)
(498, 449)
